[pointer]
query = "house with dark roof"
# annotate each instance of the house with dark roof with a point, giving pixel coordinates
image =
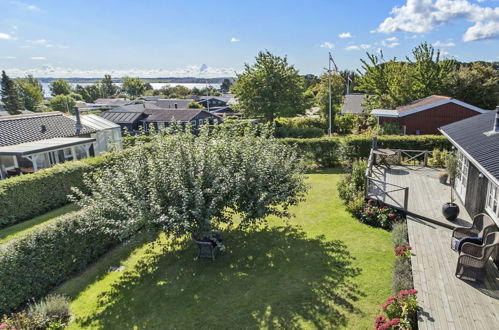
(352, 104)
(162, 118)
(30, 142)
(477, 181)
(225, 111)
(172, 103)
(426, 115)
(213, 101)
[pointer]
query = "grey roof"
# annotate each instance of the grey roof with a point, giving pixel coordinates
(353, 103)
(170, 103)
(139, 107)
(173, 115)
(18, 129)
(468, 135)
(112, 102)
(122, 117)
(97, 122)
(224, 97)
(29, 148)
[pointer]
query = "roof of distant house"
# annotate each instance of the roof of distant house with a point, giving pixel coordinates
(97, 122)
(352, 103)
(23, 128)
(426, 103)
(175, 115)
(117, 101)
(172, 103)
(473, 137)
(138, 107)
(122, 117)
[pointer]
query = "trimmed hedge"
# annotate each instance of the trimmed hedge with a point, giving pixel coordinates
(27, 196)
(329, 151)
(38, 261)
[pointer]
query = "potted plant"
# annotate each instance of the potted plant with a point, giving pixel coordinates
(442, 177)
(450, 209)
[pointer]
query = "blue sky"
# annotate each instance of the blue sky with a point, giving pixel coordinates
(215, 38)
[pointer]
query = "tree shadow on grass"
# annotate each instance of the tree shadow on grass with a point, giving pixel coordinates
(271, 278)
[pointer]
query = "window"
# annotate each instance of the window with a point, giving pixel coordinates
(68, 154)
(200, 122)
(492, 201)
(193, 122)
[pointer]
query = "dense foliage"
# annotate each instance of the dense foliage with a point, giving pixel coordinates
(270, 88)
(183, 183)
(60, 87)
(133, 87)
(394, 83)
(27, 196)
(11, 96)
(63, 103)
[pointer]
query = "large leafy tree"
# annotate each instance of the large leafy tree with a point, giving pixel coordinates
(108, 86)
(11, 96)
(60, 87)
(31, 93)
(63, 103)
(270, 88)
(322, 95)
(226, 85)
(133, 87)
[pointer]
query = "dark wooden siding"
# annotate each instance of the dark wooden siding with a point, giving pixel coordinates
(476, 192)
(428, 121)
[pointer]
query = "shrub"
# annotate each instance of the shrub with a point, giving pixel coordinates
(322, 151)
(295, 132)
(401, 312)
(27, 196)
(402, 275)
(53, 308)
(356, 204)
(302, 122)
(39, 260)
(438, 158)
(377, 215)
(399, 234)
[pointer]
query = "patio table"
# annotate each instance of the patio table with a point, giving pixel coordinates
(383, 155)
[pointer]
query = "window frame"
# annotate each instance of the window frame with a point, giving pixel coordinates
(492, 200)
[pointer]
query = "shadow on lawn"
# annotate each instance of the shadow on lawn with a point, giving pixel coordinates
(268, 278)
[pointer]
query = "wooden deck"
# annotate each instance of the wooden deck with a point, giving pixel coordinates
(426, 194)
(446, 302)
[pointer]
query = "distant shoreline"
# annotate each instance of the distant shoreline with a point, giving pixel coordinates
(191, 80)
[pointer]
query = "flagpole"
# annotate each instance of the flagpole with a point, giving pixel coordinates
(329, 96)
(348, 84)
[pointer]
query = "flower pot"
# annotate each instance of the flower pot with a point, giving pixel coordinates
(450, 211)
(443, 178)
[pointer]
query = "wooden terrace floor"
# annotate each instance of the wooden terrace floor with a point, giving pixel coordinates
(445, 301)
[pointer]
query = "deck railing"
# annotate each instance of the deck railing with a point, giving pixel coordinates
(384, 191)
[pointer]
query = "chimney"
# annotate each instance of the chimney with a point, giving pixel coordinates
(78, 126)
(496, 122)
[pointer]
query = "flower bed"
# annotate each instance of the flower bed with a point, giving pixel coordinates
(398, 312)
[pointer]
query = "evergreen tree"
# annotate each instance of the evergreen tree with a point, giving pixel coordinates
(11, 96)
(108, 87)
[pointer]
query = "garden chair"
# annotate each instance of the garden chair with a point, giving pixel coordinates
(482, 225)
(473, 258)
(208, 248)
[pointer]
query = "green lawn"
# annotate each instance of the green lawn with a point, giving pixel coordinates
(320, 269)
(25, 226)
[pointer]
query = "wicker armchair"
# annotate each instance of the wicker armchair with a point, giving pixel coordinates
(473, 258)
(482, 225)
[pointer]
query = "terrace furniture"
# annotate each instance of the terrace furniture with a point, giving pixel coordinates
(482, 225)
(383, 156)
(473, 258)
(208, 245)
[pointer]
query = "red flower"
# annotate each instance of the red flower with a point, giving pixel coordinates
(404, 293)
(370, 201)
(371, 212)
(413, 291)
(4, 326)
(391, 215)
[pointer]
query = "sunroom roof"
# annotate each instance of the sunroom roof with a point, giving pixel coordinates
(29, 148)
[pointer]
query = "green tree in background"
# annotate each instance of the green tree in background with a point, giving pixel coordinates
(63, 103)
(270, 88)
(322, 95)
(133, 87)
(11, 96)
(60, 87)
(79, 89)
(94, 92)
(226, 85)
(194, 105)
(31, 93)
(108, 86)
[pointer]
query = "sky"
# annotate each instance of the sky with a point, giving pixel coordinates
(175, 38)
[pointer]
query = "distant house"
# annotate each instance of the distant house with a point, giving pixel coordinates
(213, 101)
(111, 103)
(477, 142)
(352, 104)
(172, 103)
(35, 141)
(196, 117)
(131, 121)
(226, 111)
(426, 115)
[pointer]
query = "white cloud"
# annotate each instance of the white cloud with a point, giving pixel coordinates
(39, 41)
(23, 5)
(7, 57)
(390, 42)
(234, 39)
(358, 47)
(45, 43)
(38, 58)
(345, 35)
(6, 36)
(423, 16)
(443, 44)
(327, 44)
(64, 72)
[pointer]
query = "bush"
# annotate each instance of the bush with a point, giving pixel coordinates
(36, 262)
(401, 312)
(438, 158)
(378, 215)
(322, 151)
(399, 234)
(402, 275)
(302, 122)
(27, 196)
(356, 204)
(302, 133)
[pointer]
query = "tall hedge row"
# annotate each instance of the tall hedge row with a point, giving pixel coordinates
(27, 196)
(328, 151)
(36, 262)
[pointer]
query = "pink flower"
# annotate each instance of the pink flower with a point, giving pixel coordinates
(370, 201)
(391, 215)
(371, 212)
(404, 293)
(413, 291)
(4, 326)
